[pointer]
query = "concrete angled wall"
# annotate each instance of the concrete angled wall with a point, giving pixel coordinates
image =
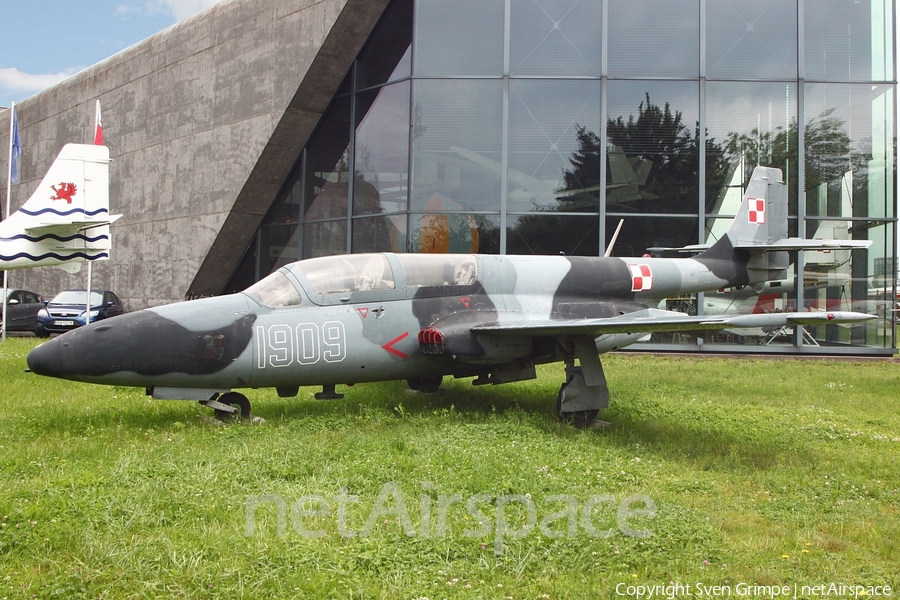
(204, 121)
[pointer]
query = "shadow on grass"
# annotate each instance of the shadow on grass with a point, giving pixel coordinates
(377, 400)
(396, 399)
(707, 448)
(716, 446)
(710, 445)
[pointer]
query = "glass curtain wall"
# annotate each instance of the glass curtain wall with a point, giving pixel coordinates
(537, 126)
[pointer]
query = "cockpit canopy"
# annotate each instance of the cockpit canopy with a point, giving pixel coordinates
(275, 290)
(347, 274)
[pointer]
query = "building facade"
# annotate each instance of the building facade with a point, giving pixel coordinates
(542, 127)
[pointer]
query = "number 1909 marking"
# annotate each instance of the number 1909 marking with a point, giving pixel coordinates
(305, 344)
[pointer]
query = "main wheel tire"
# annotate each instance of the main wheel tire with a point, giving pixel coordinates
(428, 385)
(239, 401)
(579, 418)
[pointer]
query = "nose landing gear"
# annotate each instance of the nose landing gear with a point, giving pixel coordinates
(230, 407)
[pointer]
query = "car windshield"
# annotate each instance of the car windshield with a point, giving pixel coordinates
(77, 297)
(275, 290)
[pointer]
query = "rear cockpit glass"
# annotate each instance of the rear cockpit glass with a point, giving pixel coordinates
(275, 291)
(431, 270)
(348, 273)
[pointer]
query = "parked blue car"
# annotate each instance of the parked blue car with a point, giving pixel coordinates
(68, 310)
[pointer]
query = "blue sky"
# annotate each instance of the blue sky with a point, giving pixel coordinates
(44, 41)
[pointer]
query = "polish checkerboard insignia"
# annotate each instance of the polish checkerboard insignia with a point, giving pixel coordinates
(757, 212)
(641, 278)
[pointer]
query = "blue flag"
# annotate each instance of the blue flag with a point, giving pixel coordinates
(16, 148)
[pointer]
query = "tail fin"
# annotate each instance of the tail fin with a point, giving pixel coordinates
(67, 218)
(762, 217)
(757, 239)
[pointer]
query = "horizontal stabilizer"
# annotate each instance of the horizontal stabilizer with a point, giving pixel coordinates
(59, 225)
(785, 244)
(802, 244)
(655, 320)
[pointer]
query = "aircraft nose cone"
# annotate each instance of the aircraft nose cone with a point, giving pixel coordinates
(185, 340)
(47, 359)
(80, 354)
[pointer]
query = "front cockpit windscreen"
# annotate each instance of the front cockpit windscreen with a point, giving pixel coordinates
(348, 273)
(274, 291)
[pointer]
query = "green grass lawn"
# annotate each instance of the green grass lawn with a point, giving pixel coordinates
(730, 472)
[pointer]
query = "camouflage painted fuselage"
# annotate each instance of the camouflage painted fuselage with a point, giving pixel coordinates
(370, 335)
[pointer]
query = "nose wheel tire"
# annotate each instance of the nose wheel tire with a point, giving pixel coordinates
(239, 401)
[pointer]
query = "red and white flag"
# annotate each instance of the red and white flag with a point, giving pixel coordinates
(98, 127)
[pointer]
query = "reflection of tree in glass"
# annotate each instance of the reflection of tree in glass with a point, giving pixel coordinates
(583, 180)
(656, 138)
(488, 236)
(827, 157)
(659, 135)
(554, 234)
(418, 129)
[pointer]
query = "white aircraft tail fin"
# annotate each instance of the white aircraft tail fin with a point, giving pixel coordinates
(67, 218)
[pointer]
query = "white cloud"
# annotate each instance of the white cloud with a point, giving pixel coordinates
(13, 79)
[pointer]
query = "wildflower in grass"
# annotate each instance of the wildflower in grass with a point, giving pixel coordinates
(785, 556)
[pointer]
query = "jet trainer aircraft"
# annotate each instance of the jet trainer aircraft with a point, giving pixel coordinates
(374, 317)
(66, 220)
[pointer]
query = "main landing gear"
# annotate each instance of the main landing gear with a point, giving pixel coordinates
(585, 391)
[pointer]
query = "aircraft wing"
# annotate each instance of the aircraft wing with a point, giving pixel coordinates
(652, 320)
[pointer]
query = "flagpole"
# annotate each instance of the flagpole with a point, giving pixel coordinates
(12, 116)
(87, 315)
(98, 139)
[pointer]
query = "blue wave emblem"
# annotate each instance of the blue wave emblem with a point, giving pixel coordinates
(52, 236)
(64, 213)
(54, 255)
